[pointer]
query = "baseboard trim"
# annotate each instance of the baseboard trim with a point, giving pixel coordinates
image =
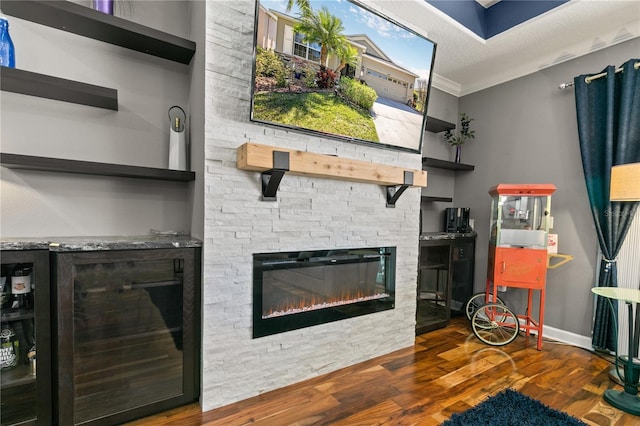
(567, 337)
(562, 336)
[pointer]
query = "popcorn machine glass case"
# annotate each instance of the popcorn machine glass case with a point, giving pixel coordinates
(519, 231)
(520, 215)
(518, 244)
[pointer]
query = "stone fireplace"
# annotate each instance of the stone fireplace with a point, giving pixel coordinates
(310, 215)
(293, 290)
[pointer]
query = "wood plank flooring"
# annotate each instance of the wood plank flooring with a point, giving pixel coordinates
(445, 372)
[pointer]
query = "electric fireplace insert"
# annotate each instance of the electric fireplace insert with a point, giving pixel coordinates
(293, 290)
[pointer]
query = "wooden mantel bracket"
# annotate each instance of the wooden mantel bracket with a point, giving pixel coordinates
(273, 162)
(271, 178)
(394, 192)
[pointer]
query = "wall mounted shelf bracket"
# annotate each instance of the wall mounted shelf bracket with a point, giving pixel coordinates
(394, 192)
(271, 178)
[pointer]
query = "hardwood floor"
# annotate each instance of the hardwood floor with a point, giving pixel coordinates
(445, 372)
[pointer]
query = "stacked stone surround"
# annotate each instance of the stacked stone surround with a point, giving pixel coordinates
(310, 214)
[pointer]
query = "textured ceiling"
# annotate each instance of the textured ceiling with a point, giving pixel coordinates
(466, 62)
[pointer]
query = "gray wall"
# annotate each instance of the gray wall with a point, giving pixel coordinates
(196, 118)
(52, 204)
(526, 132)
(440, 183)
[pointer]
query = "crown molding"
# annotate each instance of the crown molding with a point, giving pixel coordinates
(446, 85)
(577, 51)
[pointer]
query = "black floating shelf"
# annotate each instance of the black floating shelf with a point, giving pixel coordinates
(29, 162)
(87, 22)
(430, 198)
(435, 125)
(60, 89)
(443, 164)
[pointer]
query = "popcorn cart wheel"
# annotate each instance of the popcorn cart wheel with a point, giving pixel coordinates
(495, 324)
(478, 300)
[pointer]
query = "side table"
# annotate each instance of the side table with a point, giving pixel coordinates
(628, 399)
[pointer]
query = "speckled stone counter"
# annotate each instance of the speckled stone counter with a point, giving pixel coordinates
(429, 236)
(62, 244)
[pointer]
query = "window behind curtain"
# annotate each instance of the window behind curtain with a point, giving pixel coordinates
(628, 277)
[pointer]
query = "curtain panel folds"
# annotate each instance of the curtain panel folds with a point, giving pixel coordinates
(608, 114)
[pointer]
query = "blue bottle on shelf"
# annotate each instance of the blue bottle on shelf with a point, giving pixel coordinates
(7, 51)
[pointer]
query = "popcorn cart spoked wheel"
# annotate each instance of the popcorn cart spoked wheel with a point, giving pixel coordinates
(478, 300)
(495, 324)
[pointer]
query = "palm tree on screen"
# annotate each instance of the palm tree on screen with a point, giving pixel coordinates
(303, 5)
(348, 55)
(325, 29)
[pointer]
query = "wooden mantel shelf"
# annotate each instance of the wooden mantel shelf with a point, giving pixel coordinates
(270, 161)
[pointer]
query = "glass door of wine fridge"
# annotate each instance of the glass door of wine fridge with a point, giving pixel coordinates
(126, 337)
(25, 345)
(462, 266)
(434, 285)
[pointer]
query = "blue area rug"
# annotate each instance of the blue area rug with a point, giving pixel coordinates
(511, 408)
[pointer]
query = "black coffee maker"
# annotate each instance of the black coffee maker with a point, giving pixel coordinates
(456, 219)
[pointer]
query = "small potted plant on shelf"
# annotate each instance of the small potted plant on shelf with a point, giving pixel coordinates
(458, 138)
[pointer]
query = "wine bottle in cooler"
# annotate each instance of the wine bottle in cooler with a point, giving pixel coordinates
(21, 288)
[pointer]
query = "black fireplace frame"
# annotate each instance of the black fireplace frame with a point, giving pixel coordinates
(263, 262)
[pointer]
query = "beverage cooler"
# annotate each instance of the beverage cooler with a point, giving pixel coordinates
(127, 336)
(98, 337)
(25, 335)
(445, 278)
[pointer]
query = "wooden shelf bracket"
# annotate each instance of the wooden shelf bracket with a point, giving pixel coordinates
(394, 192)
(271, 178)
(273, 162)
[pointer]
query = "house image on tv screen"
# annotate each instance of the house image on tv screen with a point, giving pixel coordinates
(275, 32)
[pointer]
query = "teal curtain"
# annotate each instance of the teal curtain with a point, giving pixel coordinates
(608, 112)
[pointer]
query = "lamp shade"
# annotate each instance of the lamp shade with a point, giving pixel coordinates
(625, 182)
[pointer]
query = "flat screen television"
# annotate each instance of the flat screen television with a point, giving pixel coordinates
(341, 70)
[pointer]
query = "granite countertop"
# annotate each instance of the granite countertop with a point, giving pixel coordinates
(427, 236)
(137, 242)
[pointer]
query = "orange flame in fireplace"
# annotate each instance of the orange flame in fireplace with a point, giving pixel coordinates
(315, 302)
